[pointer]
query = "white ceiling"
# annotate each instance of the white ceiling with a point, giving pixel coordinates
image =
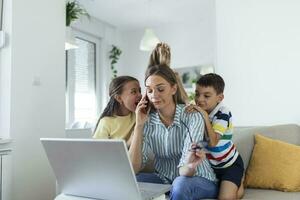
(136, 14)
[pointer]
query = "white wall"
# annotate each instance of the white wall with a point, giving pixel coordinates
(191, 44)
(5, 105)
(5, 72)
(258, 48)
(133, 62)
(37, 50)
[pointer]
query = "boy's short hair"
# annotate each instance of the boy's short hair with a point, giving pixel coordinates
(212, 80)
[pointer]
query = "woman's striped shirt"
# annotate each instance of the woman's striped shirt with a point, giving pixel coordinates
(170, 145)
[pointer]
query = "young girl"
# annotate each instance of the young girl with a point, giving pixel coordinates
(161, 55)
(118, 118)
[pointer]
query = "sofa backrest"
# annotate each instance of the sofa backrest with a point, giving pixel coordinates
(243, 137)
(79, 133)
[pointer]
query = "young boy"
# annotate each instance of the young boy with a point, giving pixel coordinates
(222, 153)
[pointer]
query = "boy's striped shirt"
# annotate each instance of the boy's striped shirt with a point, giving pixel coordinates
(224, 153)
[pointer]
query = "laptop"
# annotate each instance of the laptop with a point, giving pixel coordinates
(98, 169)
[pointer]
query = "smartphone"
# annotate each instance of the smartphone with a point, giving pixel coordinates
(148, 104)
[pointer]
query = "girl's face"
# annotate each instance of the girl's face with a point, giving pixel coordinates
(159, 91)
(131, 95)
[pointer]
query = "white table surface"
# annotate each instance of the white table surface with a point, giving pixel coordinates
(69, 197)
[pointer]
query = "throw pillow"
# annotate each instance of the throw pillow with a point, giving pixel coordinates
(274, 165)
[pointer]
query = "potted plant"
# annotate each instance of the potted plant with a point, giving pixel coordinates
(73, 12)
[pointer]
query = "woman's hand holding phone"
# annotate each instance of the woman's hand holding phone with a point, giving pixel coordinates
(147, 108)
(142, 110)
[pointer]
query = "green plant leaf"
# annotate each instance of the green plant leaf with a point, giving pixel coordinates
(114, 55)
(74, 11)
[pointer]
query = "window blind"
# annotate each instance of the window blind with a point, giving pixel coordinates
(81, 81)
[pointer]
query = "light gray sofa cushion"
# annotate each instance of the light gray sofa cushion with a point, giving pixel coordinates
(270, 195)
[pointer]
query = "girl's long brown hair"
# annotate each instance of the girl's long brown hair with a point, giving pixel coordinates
(115, 88)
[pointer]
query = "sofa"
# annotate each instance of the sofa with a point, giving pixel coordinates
(244, 139)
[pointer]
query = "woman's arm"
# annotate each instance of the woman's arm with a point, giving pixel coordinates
(194, 158)
(135, 150)
(213, 136)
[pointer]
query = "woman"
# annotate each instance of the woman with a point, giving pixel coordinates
(172, 135)
(161, 55)
(118, 118)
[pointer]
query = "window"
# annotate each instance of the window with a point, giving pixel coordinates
(81, 86)
(1, 10)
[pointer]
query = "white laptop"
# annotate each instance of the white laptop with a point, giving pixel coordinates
(98, 169)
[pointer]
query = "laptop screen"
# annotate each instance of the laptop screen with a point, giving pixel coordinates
(92, 168)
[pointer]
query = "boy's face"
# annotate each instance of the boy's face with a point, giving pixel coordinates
(207, 98)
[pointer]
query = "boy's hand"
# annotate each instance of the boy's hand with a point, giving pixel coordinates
(194, 108)
(191, 108)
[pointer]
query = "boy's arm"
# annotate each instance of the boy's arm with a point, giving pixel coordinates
(213, 136)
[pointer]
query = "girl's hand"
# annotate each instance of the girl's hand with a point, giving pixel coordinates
(142, 110)
(194, 158)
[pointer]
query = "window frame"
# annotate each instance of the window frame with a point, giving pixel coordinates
(98, 75)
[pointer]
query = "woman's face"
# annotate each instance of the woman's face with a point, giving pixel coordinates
(159, 91)
(131, 95)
